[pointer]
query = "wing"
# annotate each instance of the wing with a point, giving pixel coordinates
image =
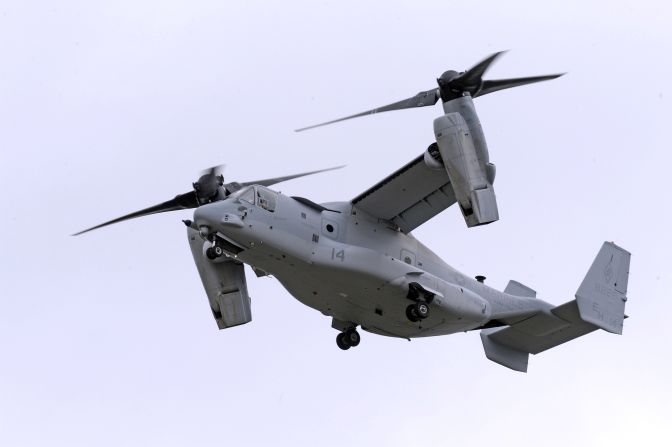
(409, 197)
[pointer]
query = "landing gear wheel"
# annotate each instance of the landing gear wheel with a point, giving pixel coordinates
(340, 341)
(417, 311)
(421, 309)
(351, 337)
(214, 252)
(411, 314)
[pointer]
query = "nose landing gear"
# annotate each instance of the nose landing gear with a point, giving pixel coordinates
(214, 252)
(220, 247)
(348, 339)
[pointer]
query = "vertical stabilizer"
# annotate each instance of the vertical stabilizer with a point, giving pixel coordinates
(508, 356)
(518, 289)
(602, 295)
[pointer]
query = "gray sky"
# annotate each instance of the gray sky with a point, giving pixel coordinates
(108, 107)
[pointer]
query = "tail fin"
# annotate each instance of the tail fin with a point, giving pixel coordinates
(602, 295)
(600, 303)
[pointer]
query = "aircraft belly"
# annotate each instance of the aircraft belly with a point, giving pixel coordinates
(354, 284)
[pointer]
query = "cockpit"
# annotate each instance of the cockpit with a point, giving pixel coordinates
(257, 195)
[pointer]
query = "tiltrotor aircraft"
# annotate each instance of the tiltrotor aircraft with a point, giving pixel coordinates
(357, 261)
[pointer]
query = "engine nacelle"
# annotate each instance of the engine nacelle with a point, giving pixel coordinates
(465, 158)
(224, 283)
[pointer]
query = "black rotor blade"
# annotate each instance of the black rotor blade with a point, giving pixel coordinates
(273, 181)
(180, 202)
(215, 170)
(422, 99)
(501, 84)
(475, 74)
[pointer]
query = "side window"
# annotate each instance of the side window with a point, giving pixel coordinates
(247, 196)
(330, 228)
(408, 257)
(266, 199)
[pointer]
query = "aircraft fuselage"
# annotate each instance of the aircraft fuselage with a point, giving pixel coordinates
(351, 266)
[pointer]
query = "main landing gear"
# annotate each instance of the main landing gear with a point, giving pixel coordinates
(419, 310)
(348, 339)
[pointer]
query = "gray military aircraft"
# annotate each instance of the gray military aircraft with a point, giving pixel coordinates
(358, 262)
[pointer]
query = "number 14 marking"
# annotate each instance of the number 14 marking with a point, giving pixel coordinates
(340, 254)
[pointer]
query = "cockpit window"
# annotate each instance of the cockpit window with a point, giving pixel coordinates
(266, 198)
(247, 195)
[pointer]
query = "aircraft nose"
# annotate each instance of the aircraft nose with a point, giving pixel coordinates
(212, 217)
(205, 219)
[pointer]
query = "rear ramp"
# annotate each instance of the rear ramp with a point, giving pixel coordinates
(599, 304)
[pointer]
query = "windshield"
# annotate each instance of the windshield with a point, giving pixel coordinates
(245, 194)
(263, 197)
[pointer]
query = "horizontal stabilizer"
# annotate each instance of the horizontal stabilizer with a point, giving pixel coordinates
(518, 289)
(544, 331)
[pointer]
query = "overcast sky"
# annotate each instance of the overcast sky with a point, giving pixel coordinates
(108, 107)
